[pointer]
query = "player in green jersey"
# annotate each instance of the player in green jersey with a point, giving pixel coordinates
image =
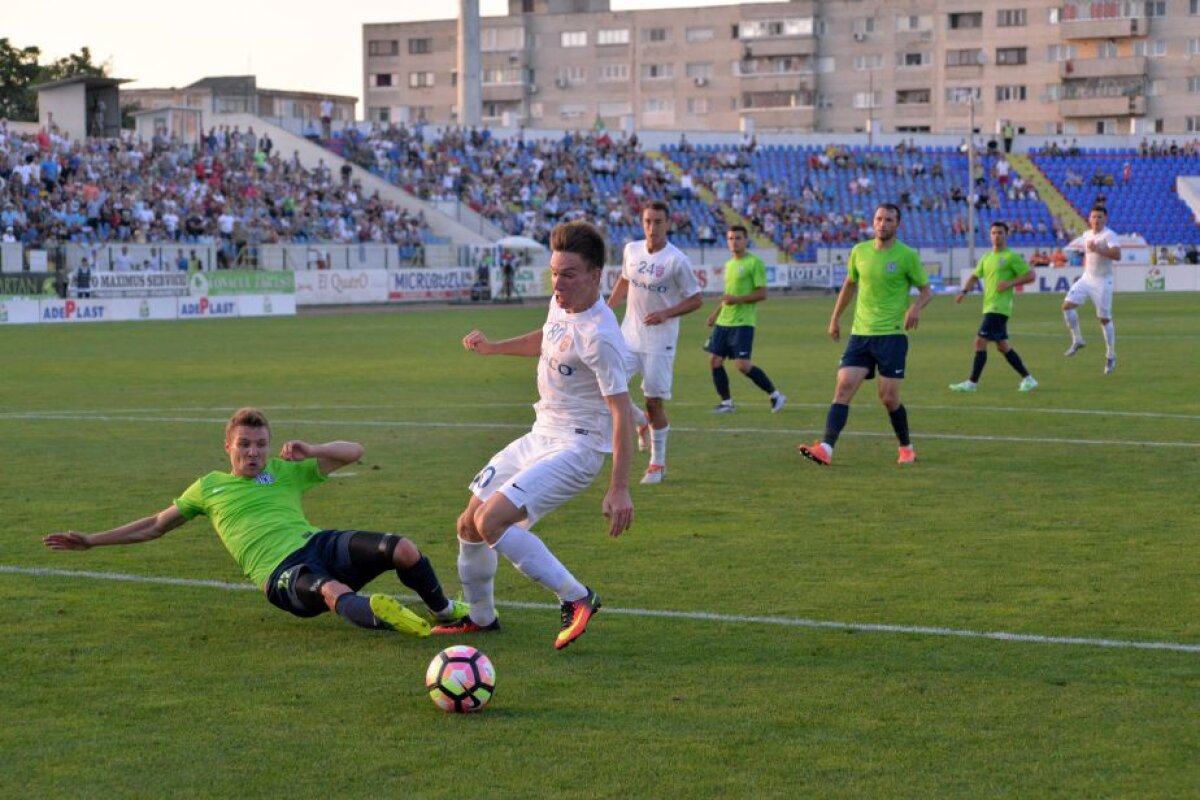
(734, 320)
(880, 273)
(1001, 271)
(256, 510)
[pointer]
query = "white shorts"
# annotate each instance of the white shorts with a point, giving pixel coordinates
(539, 474)
(1098, 290)
(657, 370)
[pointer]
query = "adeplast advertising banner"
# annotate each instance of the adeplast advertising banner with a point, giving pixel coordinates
(336, 287)
(430, 284)
(128, 309)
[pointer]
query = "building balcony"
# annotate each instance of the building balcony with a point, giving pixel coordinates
(964, 71)
(503, 92)
(797, 46)
(1080, 68)
(1104, 28)
(1119, 106)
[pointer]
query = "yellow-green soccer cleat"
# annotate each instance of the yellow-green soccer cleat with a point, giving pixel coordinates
(390, 612)
(457, 610)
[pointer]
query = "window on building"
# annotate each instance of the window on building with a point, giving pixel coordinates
(912, 60)
(965, 20)
(769, 28)
(500, 75)
(612, 73)
(572, 110)
(1010, 94)
(1010, 56)
(1150, 48)
(652, 105)
(963, 94)
(868, 62)
(1060, 52)
(420, 80)
(383, 47)
(500, 40)
(1192, 124)
(1193, 45)
(966, 57)
(863, 25)
(379, 114)
(382, 80)
(573, 38)
(697, 105)
(699, 34)
(537, 110)
(1193, 84)
(617, 108)
(655, 35)
(699, 69)
(654, 72)
(612, 36)
(571, 76)
(913, 23)
(1156, 8)
(1010, 18)
(420, 47)
(867, 99)
(909, 97)
(1194, 7)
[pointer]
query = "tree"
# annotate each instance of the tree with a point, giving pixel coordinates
(19, 70)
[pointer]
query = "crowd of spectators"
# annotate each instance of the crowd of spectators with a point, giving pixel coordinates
(233, 189)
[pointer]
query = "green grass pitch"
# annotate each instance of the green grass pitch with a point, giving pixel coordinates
(1067, 515)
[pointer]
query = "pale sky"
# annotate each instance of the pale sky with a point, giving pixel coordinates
(299, 45)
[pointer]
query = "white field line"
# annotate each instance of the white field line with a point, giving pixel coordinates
(697, 616)
(117, 413)
(108, 417)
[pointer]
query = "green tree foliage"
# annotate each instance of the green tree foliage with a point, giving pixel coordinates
(19, 70)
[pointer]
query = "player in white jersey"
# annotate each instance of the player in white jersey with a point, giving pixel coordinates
(1101, 247)
(658, 286)
(583, 412)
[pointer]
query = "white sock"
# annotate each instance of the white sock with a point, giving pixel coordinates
(477, 572)
(1073, 324)
(1110, 338)
(658, 445)
(828, 448)
(534, 560)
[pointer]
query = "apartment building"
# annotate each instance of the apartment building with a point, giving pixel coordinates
(808, 66)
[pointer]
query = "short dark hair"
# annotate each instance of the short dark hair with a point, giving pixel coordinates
(890, 207)
(658, 205)
(739, 229)
(581, 238)
(1099, 208)
(246, 417)
(1000, 224)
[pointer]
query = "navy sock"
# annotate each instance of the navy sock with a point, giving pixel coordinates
(899, 419)
(761, 380)
(1017, 364)
(421, 578)
(721, 381)
(835, 420)
(356, 609)
(977, 367)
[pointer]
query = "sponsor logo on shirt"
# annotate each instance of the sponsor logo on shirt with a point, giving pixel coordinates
(265, 478)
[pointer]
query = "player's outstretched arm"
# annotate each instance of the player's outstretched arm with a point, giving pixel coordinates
(530, 344)
(619, 292)
(913, 316)
(142, 530)
(330, 456)
(618, 505)
(968, 286)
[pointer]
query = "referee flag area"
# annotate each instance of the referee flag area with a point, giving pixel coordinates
(1014, 615)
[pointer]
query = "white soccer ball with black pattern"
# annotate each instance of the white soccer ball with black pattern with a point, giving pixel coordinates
(460, 679)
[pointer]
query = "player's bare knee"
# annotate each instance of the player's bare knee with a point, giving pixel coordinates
(466, 527)
(406, 553)
(744, 365)
(716, 362)
(331, 590)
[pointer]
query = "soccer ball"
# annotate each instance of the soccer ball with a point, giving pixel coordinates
(460, 679)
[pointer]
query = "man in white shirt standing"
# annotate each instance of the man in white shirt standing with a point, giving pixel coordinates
(657, 279)
(1101, 247)
(583, 412)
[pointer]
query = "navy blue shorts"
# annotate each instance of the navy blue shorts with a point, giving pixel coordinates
(325, 556)
(735, 341)
(994, 327)
(885, 353)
